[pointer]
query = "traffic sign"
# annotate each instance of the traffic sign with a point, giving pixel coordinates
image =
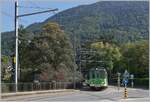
(126, 74)
(125, 81)
(132, 76)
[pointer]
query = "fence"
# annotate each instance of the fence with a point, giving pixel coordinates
(10, 87)
(138, 82)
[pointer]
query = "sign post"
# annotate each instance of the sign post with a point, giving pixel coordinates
(125, 82)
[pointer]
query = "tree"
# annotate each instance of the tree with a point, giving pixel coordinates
(50, 53)
(135, 57)
(6, 69)
(107, 53)
(24, 41)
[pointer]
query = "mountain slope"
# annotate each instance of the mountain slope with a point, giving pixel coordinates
(111, 21)
(122, 16)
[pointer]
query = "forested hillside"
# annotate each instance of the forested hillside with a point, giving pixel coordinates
(110, 21)
(116, 21)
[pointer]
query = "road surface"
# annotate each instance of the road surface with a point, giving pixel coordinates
(111, 94)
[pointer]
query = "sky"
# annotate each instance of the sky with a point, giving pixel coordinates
(29, 6)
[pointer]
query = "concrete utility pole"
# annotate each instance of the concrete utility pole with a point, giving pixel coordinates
(16, 34)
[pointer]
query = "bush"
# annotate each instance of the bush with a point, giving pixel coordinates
(141, 82)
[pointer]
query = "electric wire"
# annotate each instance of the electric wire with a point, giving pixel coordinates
(33, 3)
(12, 17)
(33, 7)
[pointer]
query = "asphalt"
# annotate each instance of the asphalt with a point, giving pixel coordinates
(111, 94)
(15, 94)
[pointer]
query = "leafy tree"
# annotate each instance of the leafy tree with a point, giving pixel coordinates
(107, 54)
(6, 68)
(50, 54)
(135, 58)
(24, 41)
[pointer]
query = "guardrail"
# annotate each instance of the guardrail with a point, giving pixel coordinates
(10, 87)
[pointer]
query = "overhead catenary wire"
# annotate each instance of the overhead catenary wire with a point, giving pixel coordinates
(28, 14)
(12, 17)
(6, 14)
(33, 3)
(33, 7)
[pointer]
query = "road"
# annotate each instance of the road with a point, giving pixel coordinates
(111, 94)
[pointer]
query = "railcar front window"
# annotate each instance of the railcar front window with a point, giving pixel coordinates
(102, 74)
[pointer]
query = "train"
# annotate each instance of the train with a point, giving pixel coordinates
(96, 78)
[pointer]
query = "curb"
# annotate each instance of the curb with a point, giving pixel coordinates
(144, 99)
(5, 95)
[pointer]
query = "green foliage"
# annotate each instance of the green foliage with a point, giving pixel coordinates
(5, 69)
(130, 56)
(7, 43)
(142, 82)
(24, 40)
(4, 59)
(107, 53)
(135, 57)
(50, 55)
(113, 22)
